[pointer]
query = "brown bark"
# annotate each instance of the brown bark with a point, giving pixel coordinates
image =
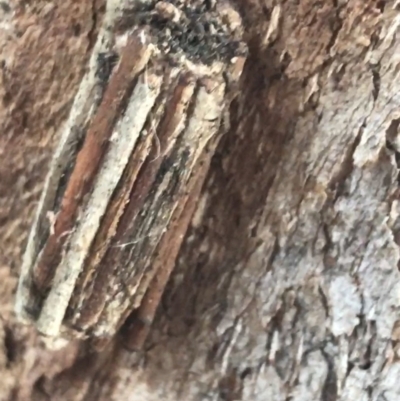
(286, 285)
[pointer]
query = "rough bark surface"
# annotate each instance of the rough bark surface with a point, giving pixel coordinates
(287, 285)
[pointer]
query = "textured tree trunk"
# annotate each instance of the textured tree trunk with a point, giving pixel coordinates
(286, 284)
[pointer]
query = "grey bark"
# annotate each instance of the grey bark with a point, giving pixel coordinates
(287, 285)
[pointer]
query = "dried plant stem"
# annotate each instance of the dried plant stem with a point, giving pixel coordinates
(122, 202)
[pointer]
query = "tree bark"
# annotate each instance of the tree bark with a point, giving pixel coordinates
(286, 284)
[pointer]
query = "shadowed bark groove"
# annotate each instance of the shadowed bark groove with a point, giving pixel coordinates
(286, 285)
